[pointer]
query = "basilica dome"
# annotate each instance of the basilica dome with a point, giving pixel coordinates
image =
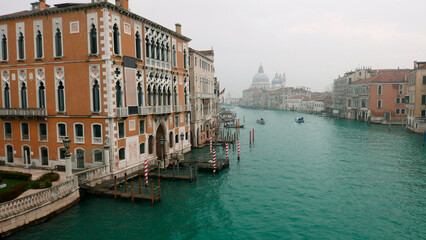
(277, 79)
(260, 76)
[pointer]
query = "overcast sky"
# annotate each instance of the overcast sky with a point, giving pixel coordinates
(311, 41)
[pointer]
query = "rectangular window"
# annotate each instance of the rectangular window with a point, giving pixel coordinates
(424, 79)
(62, 152)
(398, 100)
(78, 133)
(403, 100)
(176, 121)
(401, 89)
(97, 134)
(141, 126)
(423, 99)
(98, 155)
(8, 131)
(62, 131)
(379, 103)
(402, 110)
(42, 131)
(186, 119)
(423, 112)
(25, 135)
(142, 148)
(195, 61)
(121, 130)
(379, 90)
(397, 111)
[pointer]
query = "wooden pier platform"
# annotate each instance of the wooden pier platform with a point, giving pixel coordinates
(185, 172)
(208, 165)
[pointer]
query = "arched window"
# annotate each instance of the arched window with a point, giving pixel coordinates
(171, 139)
(184, 59)
(164, 97)
(142, 148)
(169, 96)
(167, 53)
(154, 92)
(21, 46)
(41, 96)
(122, 154)
(116, 36)
(150, 144)
(149, 96)
(162, 52)
(44, 156)
(147, 47)
(9, 153)
(23, 95)
(6, 95)
(152, 49)
(96, 97)
(138, 45)
(176, 99)
(61, 97)
(26, 153)
(158, 51)
(58, 43)
(39, 45)
(118, 94)
(186, 96)
(174, 56)
(140, 94)
(93, 40)
(3, 47)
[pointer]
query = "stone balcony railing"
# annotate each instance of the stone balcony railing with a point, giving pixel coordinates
(22, 205)
(122, 112)
(178, 108)
(187, 108)
(23, 112)
(157, 64)
(145, 110)
(205, 95)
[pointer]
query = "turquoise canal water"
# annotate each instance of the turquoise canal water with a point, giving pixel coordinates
(325, 179)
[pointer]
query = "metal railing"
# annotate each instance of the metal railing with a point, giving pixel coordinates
(23, 112)
(31, 202)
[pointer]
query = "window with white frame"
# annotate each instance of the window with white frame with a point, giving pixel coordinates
(41, 95)
(98, 155)
(38, 39)
(92, 33)
(57, 37)
(25, 131)
(96, 97)
(9, 153)
(6, 95)
(138, 45)
(402, 110)
(97, 134)
(4, 51)
(121, 130)
(141, 126)
(379, 89)
(42, 131)
(400, 89)
(62, 152)
(8, 131)
(23, 95)
(379, 103)
(397, 111)
(62, 131)
(122, 154)
(78, 133)
(176, 121)
(20, 41)
(44, 156)
(142, 148)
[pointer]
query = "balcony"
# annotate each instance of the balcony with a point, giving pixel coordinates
(79, 139)
(97, 140)
(23, 112)
(122, 112)
(162, 109)
(178, 108)
(187, 108)
(145, 110)
(205, 95)
(150, 62)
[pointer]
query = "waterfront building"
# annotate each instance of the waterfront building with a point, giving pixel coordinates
(416, 100)
(112, 81)
(204, 89)
(312, 106)
(380, 98)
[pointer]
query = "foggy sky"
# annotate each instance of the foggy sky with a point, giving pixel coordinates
(312, 42)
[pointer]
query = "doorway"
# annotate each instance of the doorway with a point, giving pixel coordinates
(160, 149)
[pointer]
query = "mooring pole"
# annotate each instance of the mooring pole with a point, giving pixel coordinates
(238, 150)
(133, 192)
(250, 137)
(125, 182)
(253, 135)
(115, 187)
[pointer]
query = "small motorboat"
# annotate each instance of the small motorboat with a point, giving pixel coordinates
(300, 120)
(260, 121)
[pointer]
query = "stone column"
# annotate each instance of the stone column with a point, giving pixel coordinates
(68, 165)
(107, 158)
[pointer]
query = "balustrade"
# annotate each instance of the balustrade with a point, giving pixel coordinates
(23, 112)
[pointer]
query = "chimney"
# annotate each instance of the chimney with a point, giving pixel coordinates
(40, 5)
(178, 28)
(122, 4)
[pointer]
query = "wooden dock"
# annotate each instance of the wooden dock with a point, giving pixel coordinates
(208, 165)
(184, 172)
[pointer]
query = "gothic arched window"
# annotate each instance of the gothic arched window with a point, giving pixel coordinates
(138, 46)
(23, 95)
(61, 97)
(147, 47)
(116, 36)
(184, 59)
(6, 95)
(3, 47)
(41, 96)
(118, 95)
(58, 43)
(140, 94)
(93, 40)
(174, 56)
(21, 46)
(39, 45)
(96, 97)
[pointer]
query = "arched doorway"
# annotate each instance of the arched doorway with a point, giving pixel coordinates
(171, 139)
(160, 150)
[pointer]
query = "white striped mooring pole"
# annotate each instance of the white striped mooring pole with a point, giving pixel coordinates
(214, 161)
(146, 172)
(211, 145)
(238, 149)
(227, 151)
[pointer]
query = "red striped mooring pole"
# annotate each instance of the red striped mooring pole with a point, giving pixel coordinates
(214, 161)
(211, 145)
(238, 149)
(227, 152)
(146, 173)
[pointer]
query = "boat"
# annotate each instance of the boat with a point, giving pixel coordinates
(260, 121)
(234, 126)
(299, 120)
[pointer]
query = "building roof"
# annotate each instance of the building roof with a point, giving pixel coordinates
(68, 7)
(395, 76)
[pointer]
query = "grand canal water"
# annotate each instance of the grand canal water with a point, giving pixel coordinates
(326, 179)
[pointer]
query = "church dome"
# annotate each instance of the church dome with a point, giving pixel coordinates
(277, 79)
(260, 76)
